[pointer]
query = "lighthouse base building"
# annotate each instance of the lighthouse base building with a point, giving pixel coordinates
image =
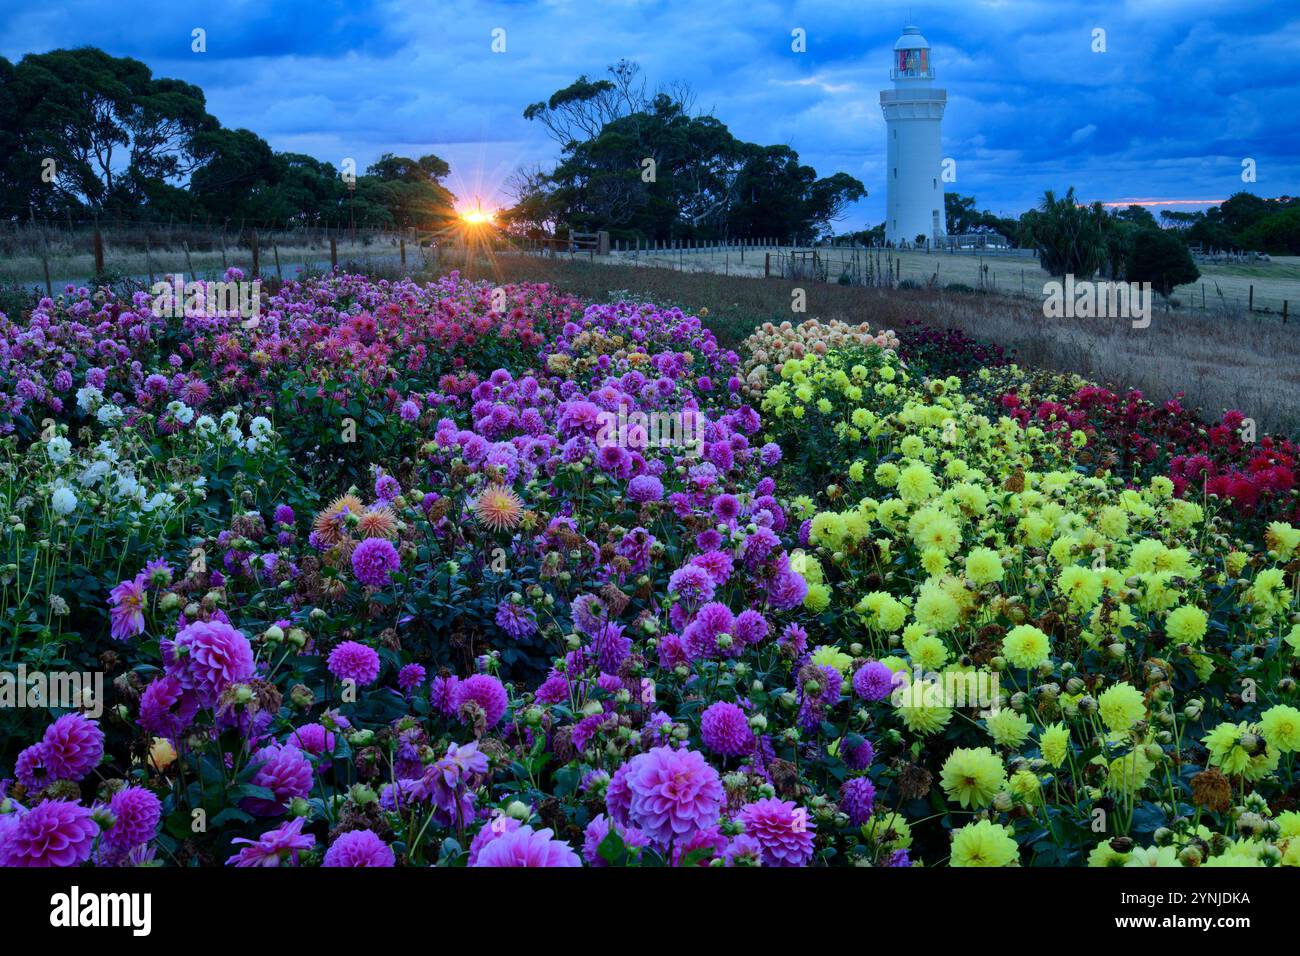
(913, 112)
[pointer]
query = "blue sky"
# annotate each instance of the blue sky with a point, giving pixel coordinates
(1185, 91)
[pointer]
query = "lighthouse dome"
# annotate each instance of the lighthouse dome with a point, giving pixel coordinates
(912, 40)
(912, 64)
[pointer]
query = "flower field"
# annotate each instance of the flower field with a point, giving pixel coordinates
(408, 575)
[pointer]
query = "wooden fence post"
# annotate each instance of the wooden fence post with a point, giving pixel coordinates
(334, 253)
(99, 252)
(257, 257)
(276, 249)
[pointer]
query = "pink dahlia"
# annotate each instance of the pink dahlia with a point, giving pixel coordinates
(484, 690)
(274, 847)
(355, 662)
(726, 730)
(673, 794)
(782, 829)
(527, 847)
(73, 747)
(55, 833)
(207, 657)
(126, 608)
(498, 826)
(359, 848)
(598, 829)
(286, 772)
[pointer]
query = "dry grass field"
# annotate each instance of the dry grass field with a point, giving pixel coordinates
(1247, 362)
(1221, 286)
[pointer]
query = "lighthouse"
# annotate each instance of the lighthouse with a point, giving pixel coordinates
(913, 111)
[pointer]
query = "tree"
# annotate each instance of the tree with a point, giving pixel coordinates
(116, 134)
(1137, 215)
(1161, 258)
(1278, 233)
(1070, 238)
(642, 165)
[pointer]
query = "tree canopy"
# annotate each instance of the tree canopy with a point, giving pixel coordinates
(84, 134)
(646, 164)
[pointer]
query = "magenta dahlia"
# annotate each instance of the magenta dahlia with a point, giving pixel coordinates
(355, 662)
(54, 833)
(286, 772)
(725, 729)
(73, 746)
(166, 709)
(136, 814)
(374, 560)
(485, 691)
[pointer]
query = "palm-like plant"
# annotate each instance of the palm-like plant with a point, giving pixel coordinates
(1070, 238)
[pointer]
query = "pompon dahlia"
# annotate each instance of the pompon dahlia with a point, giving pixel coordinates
(207, 657)
(783, 830)
(355, 662)
(374, 560)
(527, 847)
(873, 681)
(330, 526)
(274, 847)
(411, 676)
(725, 729)
(673, 794)
(136, 814)
(498, 508)
(286, 772)
(484, 690)
(857, 797)
(359, 848)
(54, 833)
(73, 747)
(166, 709)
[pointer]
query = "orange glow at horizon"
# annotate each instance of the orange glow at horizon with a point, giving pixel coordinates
(1164, 202)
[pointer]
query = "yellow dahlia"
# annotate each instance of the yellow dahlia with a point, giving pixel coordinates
(984, 844)
(972, 776)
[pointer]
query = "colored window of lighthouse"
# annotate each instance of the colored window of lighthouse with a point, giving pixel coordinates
(913, 62)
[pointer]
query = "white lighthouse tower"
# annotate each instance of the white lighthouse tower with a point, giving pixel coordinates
(913, 111)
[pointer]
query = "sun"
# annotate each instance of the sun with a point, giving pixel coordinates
(478, 216)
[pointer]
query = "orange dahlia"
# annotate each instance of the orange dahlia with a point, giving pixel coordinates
(329, 524)
(378, 522)
(498, 508)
